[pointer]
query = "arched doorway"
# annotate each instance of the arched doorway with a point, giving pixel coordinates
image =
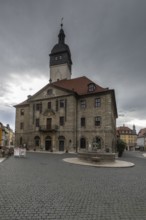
(82, 143)
(48, 143)
(36, 141)
(61, 143)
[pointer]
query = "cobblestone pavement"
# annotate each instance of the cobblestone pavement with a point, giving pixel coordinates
(42, 186)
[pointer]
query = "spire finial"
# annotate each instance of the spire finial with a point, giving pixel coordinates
(61, 22)
(61, 35)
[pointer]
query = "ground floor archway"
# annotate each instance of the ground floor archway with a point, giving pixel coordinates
(61, 143)
(48, 143)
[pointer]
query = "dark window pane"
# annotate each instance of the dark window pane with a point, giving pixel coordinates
(61, 121)
(49, 105)
(37, 122)
(83, 143)
(97, 121)
(62, 103)
(21, 111)
(82, 122)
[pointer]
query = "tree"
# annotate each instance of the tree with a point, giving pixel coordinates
(121, 145)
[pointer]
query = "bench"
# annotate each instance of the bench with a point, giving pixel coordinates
(95, 159)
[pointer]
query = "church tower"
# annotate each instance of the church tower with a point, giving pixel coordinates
(60, 59)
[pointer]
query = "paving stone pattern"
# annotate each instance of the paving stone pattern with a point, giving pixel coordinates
(42, 186)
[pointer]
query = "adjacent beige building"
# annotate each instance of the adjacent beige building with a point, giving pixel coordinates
(128, 135)
(67, 114)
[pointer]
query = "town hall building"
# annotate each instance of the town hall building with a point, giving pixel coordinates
(68, 114)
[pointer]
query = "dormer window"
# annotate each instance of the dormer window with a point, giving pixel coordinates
(91, 87)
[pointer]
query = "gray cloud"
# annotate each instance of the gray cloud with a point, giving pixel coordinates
(106, 39)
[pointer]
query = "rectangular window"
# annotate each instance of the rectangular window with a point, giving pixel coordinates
(91, 87)
(83, 122)
(83, 104)
(97, 121)
(56, 105)
(37, 123)
(39, 107)
(61, 121)
(49, 123)
(62, 103)
(21, 111)
(97, 102)
(21, 125)
(49, 105)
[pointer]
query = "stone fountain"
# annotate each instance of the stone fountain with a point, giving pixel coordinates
(95, 154)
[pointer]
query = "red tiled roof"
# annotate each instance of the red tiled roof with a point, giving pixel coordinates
(123, 128)
(79, 85)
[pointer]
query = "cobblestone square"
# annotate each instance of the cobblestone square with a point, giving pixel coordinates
(43, 186)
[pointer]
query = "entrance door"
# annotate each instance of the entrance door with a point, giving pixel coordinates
(48, 144)
(61, 145)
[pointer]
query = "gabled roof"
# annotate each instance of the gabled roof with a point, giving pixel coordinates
(79, 85)
(142, 132)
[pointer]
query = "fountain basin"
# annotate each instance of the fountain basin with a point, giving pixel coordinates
(96, 156)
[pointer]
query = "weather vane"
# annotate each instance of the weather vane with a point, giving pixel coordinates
(61, 22)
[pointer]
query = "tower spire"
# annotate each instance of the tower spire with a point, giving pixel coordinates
(61, 22)
(61, 36)
(60, 58)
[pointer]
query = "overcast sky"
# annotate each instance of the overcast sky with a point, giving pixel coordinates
(107, 39)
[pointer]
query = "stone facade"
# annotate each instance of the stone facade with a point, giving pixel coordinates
(57, 126)
(67, 114)
(129, 136)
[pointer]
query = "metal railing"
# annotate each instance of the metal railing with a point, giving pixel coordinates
(48, 128)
